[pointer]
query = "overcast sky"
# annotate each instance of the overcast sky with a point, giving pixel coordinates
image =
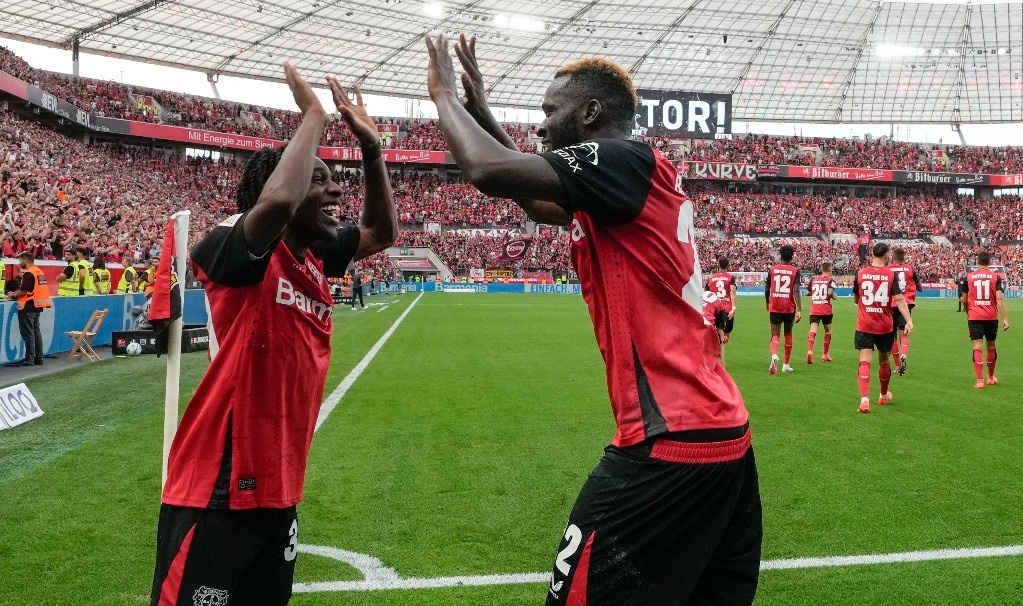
(277, 95)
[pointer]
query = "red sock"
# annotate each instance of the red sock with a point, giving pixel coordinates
(809, 341)
(895, 347)
(885, 374)
(992, 356)
(774, 345)
(864, 379)
(905, 346)
(978, 364)
(788, 347)
(827, 342)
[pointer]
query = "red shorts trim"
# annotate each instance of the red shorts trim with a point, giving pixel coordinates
(701, 452)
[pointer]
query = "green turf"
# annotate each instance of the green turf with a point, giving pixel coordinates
(462, 447)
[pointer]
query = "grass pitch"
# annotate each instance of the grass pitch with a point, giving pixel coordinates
(461, 448)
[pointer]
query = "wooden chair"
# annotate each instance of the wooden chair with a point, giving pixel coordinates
(82, 339)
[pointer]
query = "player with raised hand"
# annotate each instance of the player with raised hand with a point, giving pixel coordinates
(228, 530)
(874, 288)
(910, 284)
(722, 284)
(672, 512)
(784, 303)
(984, 302)
(822, 293)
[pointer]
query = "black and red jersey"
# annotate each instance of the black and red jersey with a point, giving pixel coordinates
(721, 285)
(782, 288)
(634, 249)
(821, 288)
(874, 289)
(714, 310)
(244, 439)
(908, 281)
(981, 298)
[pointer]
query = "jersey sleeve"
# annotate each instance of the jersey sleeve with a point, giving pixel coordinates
(224, 256)
(608, 179)
(896, 289)
(998, 284)
(767, 287)
(964, 288)
(339, 251)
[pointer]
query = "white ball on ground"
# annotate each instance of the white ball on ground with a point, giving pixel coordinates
(134, 348)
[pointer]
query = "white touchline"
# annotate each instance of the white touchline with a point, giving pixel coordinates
(339, 392)
(379, 577)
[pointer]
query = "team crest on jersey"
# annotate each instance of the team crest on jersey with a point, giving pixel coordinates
(206, 596)
(574, 154)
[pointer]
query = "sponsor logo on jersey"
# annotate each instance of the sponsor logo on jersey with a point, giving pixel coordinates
(574, 154)
(287, 294)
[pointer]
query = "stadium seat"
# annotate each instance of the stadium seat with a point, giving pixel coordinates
(82, 339)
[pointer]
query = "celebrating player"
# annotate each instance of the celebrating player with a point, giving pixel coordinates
(822, 293)
(723, 285)
(672, 512)
(909, 282)
(874, 288)
(784, 303)
(228, 530)
(982, 296)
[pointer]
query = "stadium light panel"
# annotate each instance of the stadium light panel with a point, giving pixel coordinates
(519, 22)
(433, 9)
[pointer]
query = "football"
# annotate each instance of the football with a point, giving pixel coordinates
(134, 348)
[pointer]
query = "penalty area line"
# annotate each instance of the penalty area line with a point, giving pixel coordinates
(339, 392)
(381, 582)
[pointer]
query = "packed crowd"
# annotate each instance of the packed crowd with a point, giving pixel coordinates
(998, 219)
(464, 252)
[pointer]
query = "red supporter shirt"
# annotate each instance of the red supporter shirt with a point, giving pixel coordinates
(721, 285)
(782, 288)
(908, 282)
(981, 300)
(634, 249)
(874, 288)
(821, 289)
(244, 439)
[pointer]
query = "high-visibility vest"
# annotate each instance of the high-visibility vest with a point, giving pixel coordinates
(124, 284)
(40, 295)
(68, 287)
(3, 278)
(150, 281)
(103, 281)
(89, 285)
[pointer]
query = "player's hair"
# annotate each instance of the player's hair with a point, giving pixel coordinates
(606, 81)
(826, 266)
(257, 171)
(899, 255)
(984, 258)
(880, 250)
(723, 262)
(786, 252)
(27, 256)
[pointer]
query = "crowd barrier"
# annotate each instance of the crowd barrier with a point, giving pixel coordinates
(473, 287)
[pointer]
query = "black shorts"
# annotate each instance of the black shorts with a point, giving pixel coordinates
(825, 320)
(869, 340)
(983, 329)
(787, 319)
(900, 322)
(729, 325)
(653, 527)
(217, 556)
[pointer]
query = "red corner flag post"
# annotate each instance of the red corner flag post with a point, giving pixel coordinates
(165, 316)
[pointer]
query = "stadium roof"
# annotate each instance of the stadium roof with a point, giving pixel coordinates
(793, 60)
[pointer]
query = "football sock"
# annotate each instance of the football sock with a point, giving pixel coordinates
(905, 346)
(788, 347)
(895, 346)
(885, 374)
(978, 364)
(864, 379)
(827, 342)
(774, 345)
(992, 357)
(809, 341)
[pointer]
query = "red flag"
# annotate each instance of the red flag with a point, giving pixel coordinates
(165, 307)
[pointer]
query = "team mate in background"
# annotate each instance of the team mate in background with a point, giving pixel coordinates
(723, 285)
(960, 285)
(716, 314)
(910, 284)
(874, 288)
(822, 293)
(784, 303)
(983, 299)
(672, 513)
(228, 531)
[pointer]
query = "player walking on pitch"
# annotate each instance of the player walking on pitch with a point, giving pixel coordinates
(909, 282)
(671, 515)
(784, 303)
(874, 288)
(822, 293)
(982, 296)
(722, 284)
(228, 530)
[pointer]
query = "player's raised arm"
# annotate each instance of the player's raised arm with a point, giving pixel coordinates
(378, 226)
(286, 188)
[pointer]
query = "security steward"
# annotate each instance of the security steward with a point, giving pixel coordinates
(33, 296)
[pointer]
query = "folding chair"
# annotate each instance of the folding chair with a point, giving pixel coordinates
(82, 339)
